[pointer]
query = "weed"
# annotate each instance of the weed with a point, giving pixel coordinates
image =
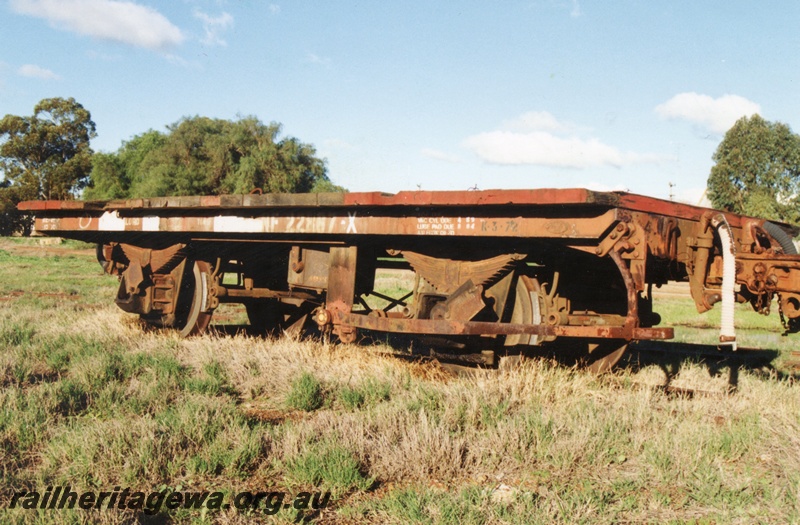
(427, 399)
(213, 381)
(491, 413)
(351, 397)
(306, 393)
(367, 393)
(234, 451)
(328, 465)
(71, 397)
(16, 335)
(535, 434)
(471, 505)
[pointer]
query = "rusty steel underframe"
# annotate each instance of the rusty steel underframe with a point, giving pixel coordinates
(330, 244)
(344, 322)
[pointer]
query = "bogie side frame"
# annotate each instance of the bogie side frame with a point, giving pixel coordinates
(505, 268)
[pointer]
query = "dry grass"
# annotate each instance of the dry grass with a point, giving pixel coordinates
(90, 400)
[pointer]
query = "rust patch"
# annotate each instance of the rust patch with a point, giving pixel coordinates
(560, 228)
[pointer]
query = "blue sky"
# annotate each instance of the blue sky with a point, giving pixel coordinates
(443, 95)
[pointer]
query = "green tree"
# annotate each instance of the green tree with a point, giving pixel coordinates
(11, 220)
(757, 171)
(204, 156)
(44, 156)
(47, 155)
(114, 173)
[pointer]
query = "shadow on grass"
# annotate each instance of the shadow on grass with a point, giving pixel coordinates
(671, 357)
(470, 355)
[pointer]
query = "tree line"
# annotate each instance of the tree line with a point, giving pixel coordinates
(204, 156)
(48, 156)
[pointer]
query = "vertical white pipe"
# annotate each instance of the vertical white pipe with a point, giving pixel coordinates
(727, 331)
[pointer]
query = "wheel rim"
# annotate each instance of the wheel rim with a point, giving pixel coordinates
(193, 317)
(526, 311)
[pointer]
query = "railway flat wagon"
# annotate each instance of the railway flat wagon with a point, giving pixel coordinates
(501, 270)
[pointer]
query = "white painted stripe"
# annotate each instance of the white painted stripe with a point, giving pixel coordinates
(150, 224)
(229, 223)
(111, 221)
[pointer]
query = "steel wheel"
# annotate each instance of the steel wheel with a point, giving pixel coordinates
(598, 356)
(526, 311)
(192, 316)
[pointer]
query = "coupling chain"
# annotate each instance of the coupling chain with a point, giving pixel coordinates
(783, 318)
(763, 303)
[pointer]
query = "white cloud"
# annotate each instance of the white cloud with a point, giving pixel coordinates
(115, 20)
(576, 9)
(538, 138)
(536, 121)
(214, 26)
(440, 155)
(545, 149)
(274, 9)
(34, 71)
(715, 114)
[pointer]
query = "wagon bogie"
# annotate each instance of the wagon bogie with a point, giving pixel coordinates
(178, 301)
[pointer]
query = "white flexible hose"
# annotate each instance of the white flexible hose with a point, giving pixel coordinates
(727, 331)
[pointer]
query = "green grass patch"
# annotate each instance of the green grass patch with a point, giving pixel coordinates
(213, 381)
(328, 465)
(16, 334)
(367, 393)
(306, 393)
(472, 505)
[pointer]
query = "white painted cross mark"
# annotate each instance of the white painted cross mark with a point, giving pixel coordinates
(351, 222)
